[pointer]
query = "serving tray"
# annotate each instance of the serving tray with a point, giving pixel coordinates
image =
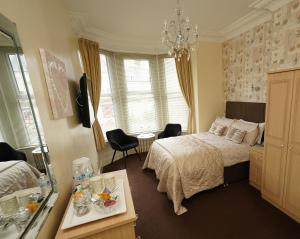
(71, 220)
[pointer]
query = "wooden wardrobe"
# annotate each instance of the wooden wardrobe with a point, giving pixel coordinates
(281, 166)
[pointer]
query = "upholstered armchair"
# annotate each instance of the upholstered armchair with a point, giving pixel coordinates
(8, 153)
(171, 130)
(119, 141)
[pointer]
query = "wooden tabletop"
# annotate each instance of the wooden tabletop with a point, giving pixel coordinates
(258, 148)
(94, 227)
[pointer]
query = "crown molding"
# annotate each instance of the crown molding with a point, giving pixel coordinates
(114, 42)
(245, 23)
(211, 36)
(270, 5)
(109, 41)
(261, 12)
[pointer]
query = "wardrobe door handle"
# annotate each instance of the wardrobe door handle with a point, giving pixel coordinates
(291, 148)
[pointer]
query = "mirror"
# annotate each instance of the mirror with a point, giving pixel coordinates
(26, 178)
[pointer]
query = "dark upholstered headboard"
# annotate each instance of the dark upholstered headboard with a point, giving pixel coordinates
(249, 111)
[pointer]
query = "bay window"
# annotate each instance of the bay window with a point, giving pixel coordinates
(140, 93)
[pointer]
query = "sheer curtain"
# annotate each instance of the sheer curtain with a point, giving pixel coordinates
(140, 93)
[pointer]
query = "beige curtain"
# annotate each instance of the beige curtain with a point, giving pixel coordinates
(184, 72)
(89, 51)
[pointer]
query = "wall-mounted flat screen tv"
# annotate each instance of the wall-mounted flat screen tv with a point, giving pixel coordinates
(83, 102)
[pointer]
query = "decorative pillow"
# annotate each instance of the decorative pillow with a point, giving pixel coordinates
(238, 136)
(261, 129)
(219, 130)
(225, 122)
(251, 131)
(230, 133)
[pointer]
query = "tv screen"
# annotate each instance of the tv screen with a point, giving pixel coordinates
(83, 102)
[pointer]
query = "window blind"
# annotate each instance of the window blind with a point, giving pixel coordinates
(24, 105)
(16, 124)
(140, 93)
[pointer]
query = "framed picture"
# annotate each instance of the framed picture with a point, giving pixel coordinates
(57, 84)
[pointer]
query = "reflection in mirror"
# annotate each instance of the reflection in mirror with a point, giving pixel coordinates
(25, 170)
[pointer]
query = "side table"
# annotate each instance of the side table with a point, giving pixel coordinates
(145, 141)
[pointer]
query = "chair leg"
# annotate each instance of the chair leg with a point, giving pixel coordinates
(137, 154)
(125, 158)
(113, 157)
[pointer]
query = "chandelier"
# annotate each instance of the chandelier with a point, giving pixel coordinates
(178, 36)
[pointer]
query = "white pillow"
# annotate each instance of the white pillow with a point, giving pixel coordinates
(225, 122)
(261, 129)
(251, 131)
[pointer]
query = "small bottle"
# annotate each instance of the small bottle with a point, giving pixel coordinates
(44, 184)
(52, 178)
(77, 176)
(88, 173)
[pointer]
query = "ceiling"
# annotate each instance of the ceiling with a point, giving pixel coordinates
(135, 25)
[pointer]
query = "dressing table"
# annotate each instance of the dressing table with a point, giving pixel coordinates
(120, 226)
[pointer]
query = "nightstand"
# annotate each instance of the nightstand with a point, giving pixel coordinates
(256, 162)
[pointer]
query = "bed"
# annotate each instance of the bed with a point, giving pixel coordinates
(17, 175)
(189, 164)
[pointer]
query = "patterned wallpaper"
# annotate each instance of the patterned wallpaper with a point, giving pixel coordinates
(271, 46)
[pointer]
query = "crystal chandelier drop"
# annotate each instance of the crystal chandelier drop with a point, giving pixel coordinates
(178, 36)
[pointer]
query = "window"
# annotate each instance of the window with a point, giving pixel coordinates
(137, 75)
(140, 99)
(23, 101)
(140, 93)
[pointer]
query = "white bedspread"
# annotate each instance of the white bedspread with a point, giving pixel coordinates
(232, 153)
(186, 165)
(17, 175)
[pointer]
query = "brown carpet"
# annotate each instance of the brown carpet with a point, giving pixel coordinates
(234, 212)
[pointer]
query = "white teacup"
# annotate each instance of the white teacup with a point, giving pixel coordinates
(23, 196)
(97, 184)
(110, 182)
